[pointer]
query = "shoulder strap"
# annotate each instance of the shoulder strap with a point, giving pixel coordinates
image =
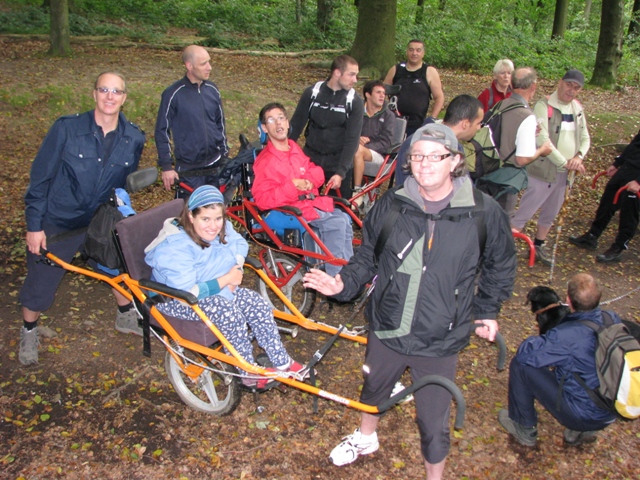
(479, 216)
(490, 103)
(314, 93)
(348, 106)
(389, 221)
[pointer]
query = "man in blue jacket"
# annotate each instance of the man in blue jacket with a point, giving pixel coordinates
(80, 161)
(545, 364)
(190, 128)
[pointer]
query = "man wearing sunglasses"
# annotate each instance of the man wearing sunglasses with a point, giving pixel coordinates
(81, 160)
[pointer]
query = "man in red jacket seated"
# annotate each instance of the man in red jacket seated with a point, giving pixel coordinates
(284, 175)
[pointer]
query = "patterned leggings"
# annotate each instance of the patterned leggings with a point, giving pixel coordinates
(232, 316)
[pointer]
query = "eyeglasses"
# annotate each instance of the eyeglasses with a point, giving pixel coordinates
(106, 91)
(272, 120)
(431, 158)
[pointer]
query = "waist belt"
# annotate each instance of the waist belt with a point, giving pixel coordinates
(308, 196)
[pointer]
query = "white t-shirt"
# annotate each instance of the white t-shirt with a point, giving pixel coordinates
(526, 137)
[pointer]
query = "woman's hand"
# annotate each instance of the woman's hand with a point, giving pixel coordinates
(232, 278)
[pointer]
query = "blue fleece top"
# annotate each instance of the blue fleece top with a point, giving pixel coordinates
(181, 263)
(570, 347)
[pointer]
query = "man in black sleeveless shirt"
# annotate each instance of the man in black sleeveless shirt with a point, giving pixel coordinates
(420, 82)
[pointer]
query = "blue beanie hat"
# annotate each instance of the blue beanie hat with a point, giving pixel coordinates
(205, 195)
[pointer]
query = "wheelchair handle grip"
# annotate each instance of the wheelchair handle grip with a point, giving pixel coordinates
(617, 196)
(595, 179)
(253, 262)
(453, 389)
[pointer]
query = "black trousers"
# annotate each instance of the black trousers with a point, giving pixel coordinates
(628, 204)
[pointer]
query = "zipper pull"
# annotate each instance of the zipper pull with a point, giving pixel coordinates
(401, 254)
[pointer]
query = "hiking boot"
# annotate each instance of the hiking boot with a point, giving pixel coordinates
(527, 436)
(587, 241)
(352, 446)
(127, 322)
(29, 342)
(614, 254)
(574, 438)
(543, 255)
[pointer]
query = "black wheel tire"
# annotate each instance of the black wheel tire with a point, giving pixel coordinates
(211, 392)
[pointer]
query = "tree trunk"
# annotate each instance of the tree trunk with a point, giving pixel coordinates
(324, 14)
(587, 9)
(634, 25)
(299, 12)
(374, 45)
(609, 51)
(59, 29)
(560, 19)
(419, 12)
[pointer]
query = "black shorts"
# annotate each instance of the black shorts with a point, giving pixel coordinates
(383, 367)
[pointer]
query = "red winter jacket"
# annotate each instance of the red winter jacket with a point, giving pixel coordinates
(272, 187)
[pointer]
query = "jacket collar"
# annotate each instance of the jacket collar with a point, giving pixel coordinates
(89, 126)
(462, 193)
(555, 102)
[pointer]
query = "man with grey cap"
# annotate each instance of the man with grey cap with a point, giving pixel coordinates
(562, 121)
(424, 240)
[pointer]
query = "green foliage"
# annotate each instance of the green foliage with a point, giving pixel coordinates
(26, 19)
(468, 35)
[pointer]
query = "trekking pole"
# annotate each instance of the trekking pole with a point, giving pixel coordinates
(567, 193)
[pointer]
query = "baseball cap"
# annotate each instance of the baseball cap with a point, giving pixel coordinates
(574, 75)
(438, 133)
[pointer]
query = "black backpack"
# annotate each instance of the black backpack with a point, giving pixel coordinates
(486, 141)
(100, 244)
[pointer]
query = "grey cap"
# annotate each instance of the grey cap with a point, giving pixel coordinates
(438, 133)
(574, 75)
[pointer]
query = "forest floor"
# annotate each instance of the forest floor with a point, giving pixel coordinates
(95, 407)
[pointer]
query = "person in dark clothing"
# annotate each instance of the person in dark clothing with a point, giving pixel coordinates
(546, 363)
(332, 114)
(81, 160)
(190, 127)
(424, 305)
(625, 171)
(378, 127)
(420, 82)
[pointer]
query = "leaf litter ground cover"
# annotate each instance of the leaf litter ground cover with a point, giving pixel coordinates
(95, 406)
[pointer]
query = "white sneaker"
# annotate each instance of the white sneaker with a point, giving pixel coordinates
(358, 201)
(397, 388)
(352, 446)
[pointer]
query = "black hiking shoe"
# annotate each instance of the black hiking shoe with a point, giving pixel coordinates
(574, 438)
(527, 436)
(614, 254)
(587, 241)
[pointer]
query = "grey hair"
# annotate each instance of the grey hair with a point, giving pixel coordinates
(523, 78)
(501, 64)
